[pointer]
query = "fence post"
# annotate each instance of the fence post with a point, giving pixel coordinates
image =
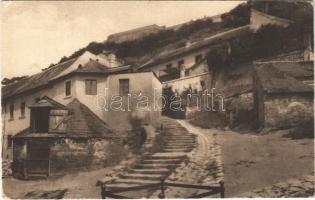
(162, 194)
(103, 191)
(222, 189)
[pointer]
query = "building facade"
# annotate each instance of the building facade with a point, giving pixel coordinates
(87, 78)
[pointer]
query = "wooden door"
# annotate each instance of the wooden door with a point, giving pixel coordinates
(38, 154)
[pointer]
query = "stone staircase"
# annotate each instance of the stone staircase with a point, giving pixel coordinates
(177, 143)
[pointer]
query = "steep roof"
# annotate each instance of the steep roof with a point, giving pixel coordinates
(35, 80)
(60, 70)
(82, 123)
(48, 102)
(274, 78)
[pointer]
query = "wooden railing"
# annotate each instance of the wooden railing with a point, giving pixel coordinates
(211, 190)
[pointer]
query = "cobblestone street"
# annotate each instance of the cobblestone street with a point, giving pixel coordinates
(203, 166)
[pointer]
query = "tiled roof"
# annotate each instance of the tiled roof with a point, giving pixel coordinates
(48, 102)
(93, 66)
(275, 78)
(206, 41)
(82, 123)
(45, 77)
(35, 80)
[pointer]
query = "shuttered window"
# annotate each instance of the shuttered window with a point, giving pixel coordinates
(90, 87)
(123, 87)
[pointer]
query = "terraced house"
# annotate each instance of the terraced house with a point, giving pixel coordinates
(67, 102)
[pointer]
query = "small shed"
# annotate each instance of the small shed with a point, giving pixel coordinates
(283, 95)
(59, 139)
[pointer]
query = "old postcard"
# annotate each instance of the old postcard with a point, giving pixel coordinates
(154, 99)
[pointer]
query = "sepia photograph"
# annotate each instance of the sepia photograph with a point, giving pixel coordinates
(157, 99)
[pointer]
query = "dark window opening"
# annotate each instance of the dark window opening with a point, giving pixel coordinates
(90, 87)
(181, 62)
(123, 87)
(9, 145)
(203, 85)
(187, 72)
(68, 88)
(11, 111)
(198, 58)
(40, 120)
(23, 109)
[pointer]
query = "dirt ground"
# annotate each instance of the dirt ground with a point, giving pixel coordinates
(255, 161)
(249, 162)
(78, 185)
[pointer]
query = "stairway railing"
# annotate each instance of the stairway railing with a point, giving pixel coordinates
(211, 190)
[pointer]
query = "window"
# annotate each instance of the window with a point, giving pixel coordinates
(9, 145)
(123, 87)
(181, 62)
(90, 87)
(11, 112)
(22, 109)
(168, 66)
(198, 58)
(68, 88)
(187, 72)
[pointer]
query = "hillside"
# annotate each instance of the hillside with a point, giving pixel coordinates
(139, 51)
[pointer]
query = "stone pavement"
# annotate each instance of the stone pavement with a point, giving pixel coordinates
(302, 187)
(178, 142)
(203, 166)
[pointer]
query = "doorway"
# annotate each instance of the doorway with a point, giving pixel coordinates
(38, 158)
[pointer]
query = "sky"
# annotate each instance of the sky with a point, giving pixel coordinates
(36, 34)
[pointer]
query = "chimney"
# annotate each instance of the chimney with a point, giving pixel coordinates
(112, 60)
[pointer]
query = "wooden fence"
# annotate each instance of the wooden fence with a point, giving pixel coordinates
(210, 190)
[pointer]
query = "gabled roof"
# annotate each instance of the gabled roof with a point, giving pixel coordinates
(81, 123)
(35, 80)
(58, 71)
(48, 102)
(93, 66)
(274, 78)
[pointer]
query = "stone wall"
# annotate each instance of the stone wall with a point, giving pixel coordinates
(67, 155)
(285, 111)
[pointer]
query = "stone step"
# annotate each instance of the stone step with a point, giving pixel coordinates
(177, 150)
(179, 136)
(136, 181)
(155, 166)
(143, 176)
(170, 157)
(149, 171)
(160, 161)
(178, 139)
(177, 147)
(112, 186)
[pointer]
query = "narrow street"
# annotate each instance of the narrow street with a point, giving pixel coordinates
(192, 155)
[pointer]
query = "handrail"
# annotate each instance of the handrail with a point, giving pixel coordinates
(213, 190)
